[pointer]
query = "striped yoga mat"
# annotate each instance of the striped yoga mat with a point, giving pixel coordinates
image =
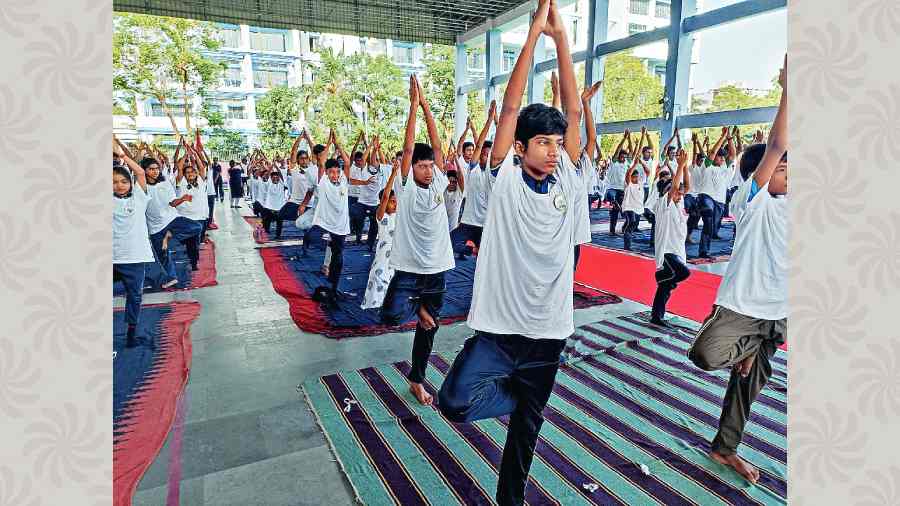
(629, 423)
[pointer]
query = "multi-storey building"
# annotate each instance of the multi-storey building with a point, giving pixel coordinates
(257, 59)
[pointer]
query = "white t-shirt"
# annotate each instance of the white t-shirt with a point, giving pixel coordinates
(716, 179)
(524, 273)
(584, 169)
(422, 241)
(642, 176)
(332, 213)
(159, 212)
(368, 194)
(696, 179)
(355, 173)
(478, 191)
(453, 201)
(252, 184)
(755, 282)
(739, 200)
(131, 242)
(615, 175)
(736, 179)
(275, 195)
(634, 198)
(210, 181)
(671, 229)
(198, 208)
(300, 184)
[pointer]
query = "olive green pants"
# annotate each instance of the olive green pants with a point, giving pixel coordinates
(725, 339)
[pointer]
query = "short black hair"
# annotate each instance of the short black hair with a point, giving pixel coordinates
(539, 119)
(232, 163)
(452, 173)
(357, 155)
(468, 144)
(147, 162)
(488, 144)
(422, 151)
(302, 152)
(398, 154)
(722, 152)
(318, 148)
(671, 148)
(750, 159)
(122, 171)
(332, 162)
(381, 193)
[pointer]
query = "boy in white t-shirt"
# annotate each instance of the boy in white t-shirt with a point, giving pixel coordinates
(478, 193)
(749, 319)
(615, 181)
(632, 202)
(665, 169)
(671, 229)
(421, 253)
(522, 303)
(716, 173)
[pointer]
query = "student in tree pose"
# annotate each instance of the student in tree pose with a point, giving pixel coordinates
(191, 197)
(381, 273)
(735, 148)
(522, 304)
(453, 197)
(692, 198)
(615, 181)
(275, 191)
(646, 161)
(304, 177)
(671, 258)
(422, 253)
(466, 149)
(716, 175)
(664, 171)
(235, 184)
(633, 201)
(131, 244)
(749, 319)
(478, 192)
(367, 198)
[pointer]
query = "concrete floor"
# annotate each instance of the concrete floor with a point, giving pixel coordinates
(248, 437)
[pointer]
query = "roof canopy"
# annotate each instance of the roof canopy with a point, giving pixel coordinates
(435, 21)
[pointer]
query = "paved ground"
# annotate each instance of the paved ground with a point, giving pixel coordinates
(249, 438)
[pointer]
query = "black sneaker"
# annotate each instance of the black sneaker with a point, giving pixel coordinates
(662, 323)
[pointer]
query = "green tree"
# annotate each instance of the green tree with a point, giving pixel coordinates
(353, 93)
(731, 98)
(158, 56)
(439, 83)
(226, 143)
(277, 112)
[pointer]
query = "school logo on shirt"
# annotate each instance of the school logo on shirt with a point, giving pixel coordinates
(342, 192)
(559, 202)
(438, 199)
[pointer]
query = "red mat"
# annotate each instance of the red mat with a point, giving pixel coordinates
(205, 275)
(152, 409)
(632, 276)
(311, 316)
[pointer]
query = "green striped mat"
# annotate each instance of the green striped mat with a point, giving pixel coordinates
(629, 423)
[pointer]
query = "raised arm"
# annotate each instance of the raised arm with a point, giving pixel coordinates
(712, 153)
(635, 150)
(731, 151)
(293, 158)
(590, 128)
(665, 148)
(139, 177)
(681, 174)
(568, 88)
(648, 139)
(345, 157)
(386, 196)
(433, 133)
(631, 169)
(554, 85)
(776, 146)
(621, 143)
(410, 139)
(479, 144)
(462, 138)
(512, 98)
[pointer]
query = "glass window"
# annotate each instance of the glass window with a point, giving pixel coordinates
(509, 59)
(230, 37)
(232, 77)
(634, 28)
(476, 60)
(404, 54)
(269, 78)
(641, 7)
(235, 110)
(267, 41)
(176, 108)
(313, 43)
(632, 86)
(663, 9)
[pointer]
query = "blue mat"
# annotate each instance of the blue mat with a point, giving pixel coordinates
(719, 249)
(296, 278)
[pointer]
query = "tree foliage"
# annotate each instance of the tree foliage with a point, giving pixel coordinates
(356, 92)
(164, 58)
(277, 112)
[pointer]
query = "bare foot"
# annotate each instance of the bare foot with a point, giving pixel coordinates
(425, 319)
(743, 367)
(420, 394)
(740, 465)
(165, 241)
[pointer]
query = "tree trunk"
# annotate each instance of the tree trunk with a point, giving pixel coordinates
(165, 106)
(187, 109)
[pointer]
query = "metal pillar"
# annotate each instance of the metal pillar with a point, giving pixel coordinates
(598, 24)
(460, 110)
(678, 67)
(493, 52)
(535, 80)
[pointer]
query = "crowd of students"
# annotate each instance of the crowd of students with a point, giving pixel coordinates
(518, 206)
